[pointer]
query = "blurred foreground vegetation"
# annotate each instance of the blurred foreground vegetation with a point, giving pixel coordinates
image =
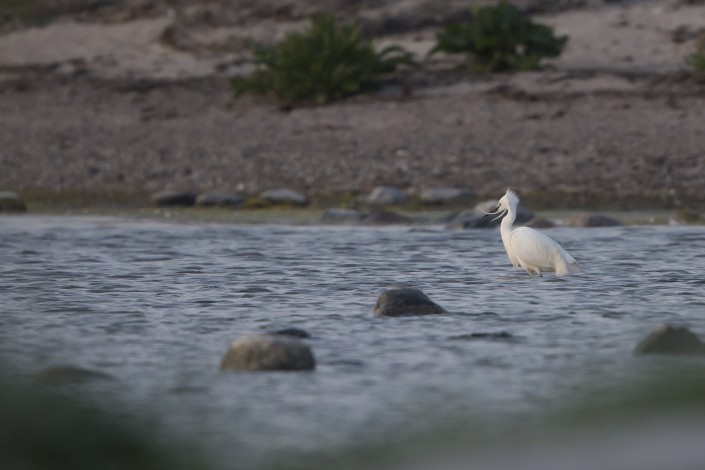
(41, 429)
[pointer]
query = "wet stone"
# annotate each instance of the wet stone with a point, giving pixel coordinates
(382, 195)
(174, 198)
(294, 332)
(284, 196)
(219, 199)
(403, 301)
(668, 339)
(66, 374)
(268, 353)
(494, 336)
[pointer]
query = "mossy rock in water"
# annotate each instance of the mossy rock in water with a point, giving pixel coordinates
(404, 301)
(668, 339)
(11, 202)
(57, 375)
(268, 353)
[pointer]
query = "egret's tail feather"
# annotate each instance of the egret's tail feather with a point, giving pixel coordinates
(567, 267)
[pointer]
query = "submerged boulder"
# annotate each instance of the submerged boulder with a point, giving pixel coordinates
(402, 301)
(593, 220)
(292, 331)
(668, 339)
(268, 352)
(67, 374)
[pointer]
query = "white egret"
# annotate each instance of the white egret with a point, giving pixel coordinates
(529, 248)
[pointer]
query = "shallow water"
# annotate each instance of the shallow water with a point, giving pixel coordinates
(155, 305)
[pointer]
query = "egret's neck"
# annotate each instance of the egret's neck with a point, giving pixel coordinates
(505, 227)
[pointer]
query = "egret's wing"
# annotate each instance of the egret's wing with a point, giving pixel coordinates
(536, 249)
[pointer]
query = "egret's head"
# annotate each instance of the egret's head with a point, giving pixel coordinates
(510, 199)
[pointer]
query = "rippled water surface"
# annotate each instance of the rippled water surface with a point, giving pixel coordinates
(155, 305)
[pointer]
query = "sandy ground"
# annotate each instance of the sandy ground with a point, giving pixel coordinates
(135, 100)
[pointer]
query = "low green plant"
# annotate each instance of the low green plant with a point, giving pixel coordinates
(501, 38)
(696, 60)
(325, 63)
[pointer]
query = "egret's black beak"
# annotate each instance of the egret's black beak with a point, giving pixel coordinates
(492, 212)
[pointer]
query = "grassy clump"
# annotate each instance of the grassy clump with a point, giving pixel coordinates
(325, 63)
(501, 39)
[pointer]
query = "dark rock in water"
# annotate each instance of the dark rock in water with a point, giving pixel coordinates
(268, 352)
(477, 217)
(284, 196)
(174, 198)
(668, 339)
(593, 220)
(540, 222)
(386, 218)
(498, 336)
(295, 332)
(382, 195)
(341, 216)
(58, 375)
(220, 199)
(445, 195)
(400, 301)
(11, 202)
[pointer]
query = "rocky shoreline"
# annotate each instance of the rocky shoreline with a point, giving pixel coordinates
(616, 122)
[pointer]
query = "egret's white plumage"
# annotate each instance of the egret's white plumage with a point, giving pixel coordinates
(529, 248)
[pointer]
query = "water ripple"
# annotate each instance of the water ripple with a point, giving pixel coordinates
(155, 305)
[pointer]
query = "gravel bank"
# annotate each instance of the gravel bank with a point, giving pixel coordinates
(599, 125)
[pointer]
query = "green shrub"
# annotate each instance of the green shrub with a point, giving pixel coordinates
(501, 38)
(324, 63)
